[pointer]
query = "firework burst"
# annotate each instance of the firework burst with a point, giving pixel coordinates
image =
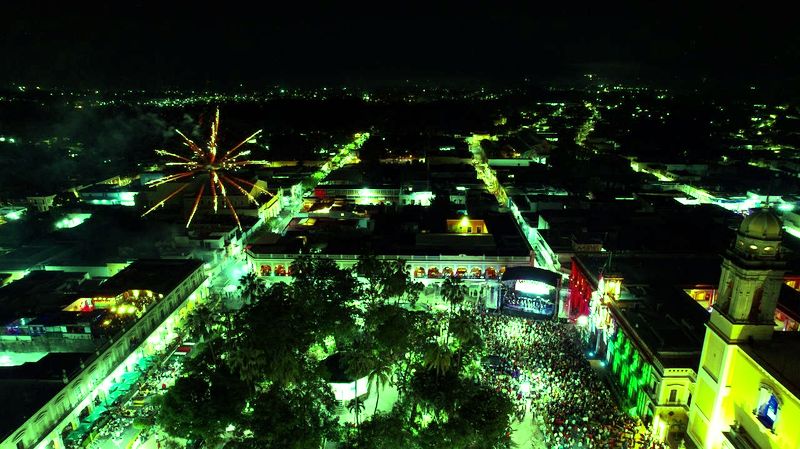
(209, 168)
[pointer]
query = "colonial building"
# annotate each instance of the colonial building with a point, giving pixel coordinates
(48, 395)
(748, 381)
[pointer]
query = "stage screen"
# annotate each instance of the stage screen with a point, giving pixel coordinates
(530, 298)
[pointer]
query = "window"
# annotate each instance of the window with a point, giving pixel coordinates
(673, 396)
(478, 230)
(767, 411)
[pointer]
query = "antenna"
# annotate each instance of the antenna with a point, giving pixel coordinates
(606, 265)
(770, 188)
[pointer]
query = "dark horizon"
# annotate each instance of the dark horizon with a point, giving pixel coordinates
(154, 46)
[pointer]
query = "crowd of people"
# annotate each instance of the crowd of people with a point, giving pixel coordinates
(540, 364)
(531, 304)
(136, 403)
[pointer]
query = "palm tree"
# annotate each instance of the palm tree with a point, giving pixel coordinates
(251, 288)
(356, 405)
(463, 328)
(381, 375)
(454, 291)
(249, 363)
(438, 357)
(358, 362)
(199, 322)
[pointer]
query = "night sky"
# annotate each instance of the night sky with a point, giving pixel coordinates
(149, 45)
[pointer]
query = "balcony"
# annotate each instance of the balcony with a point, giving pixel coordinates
(737, 438)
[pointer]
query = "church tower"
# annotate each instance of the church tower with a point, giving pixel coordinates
(750, 282)
(752, 274)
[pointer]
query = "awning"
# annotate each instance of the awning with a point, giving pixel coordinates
(80, 433)
(131, 377)
(95, 415)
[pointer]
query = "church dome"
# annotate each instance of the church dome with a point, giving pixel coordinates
(763, 224)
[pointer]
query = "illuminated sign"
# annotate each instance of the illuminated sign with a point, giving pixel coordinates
(533, 287)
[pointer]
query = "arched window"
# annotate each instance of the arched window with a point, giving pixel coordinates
(755, 309)
(768, 405)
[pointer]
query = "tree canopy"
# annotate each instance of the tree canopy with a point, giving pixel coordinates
(260, 370)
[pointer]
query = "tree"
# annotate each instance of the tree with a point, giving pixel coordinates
(438, 358)
(381, 376)
(488, 413)
(251, 288)
(454, 292)
(383, 431)
(359, 361)
(463, 328)
(356, 406)
(199, 322)
(300, 416)
(386, 280)
(202, 403)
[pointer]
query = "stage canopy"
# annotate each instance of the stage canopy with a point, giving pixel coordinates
(531, 274)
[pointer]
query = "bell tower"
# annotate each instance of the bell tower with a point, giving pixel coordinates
(752, 274)
(750, 282)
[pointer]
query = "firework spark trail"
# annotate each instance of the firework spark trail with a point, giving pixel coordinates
(252, 136)
(190, 143)
(169, 197)
(196, 203)
(241, 189)
(177, 156)
(170, 178)
(248, 183)
(213, 192)
(205, 162)
(233, 211)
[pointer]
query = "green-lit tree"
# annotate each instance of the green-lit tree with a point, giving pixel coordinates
(438, 358)
(199, 322)
(383, 431)
(251, 288)
(356, 406)
(380, 377)
(204, 402)
(387, 281)
(296, 417)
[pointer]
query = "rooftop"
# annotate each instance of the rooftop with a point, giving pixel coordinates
(624, 226)
(669, 323)
(31, 385)
(39, 292)
(773, 356)
(396, 234)
(157, 275)
(683, 270)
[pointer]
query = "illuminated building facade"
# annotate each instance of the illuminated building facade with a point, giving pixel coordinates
(421, 267)
(645, 329)
(47, 408)
(466, 225)
(42, 203)
(748, 382)
(580, 293)
(365, 196)
(483, 254)
(652, 354)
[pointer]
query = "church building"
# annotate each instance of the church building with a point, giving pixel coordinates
(748, 383)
